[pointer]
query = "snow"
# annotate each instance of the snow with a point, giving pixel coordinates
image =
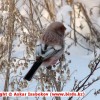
(63, 15)
(92, 6)
(23, 10)
(0, 4)
(4, 14)
(80, 57)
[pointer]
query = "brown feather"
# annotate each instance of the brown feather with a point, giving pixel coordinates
(54, 34)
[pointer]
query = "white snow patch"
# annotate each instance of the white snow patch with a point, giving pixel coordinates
(63, 15)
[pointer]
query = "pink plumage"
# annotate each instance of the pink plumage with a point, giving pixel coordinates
(54, 34)
(49, 47)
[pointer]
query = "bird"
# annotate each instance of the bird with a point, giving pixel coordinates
(49, 48)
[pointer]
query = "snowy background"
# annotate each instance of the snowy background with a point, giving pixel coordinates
(81, 53)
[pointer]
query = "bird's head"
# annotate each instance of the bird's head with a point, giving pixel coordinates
(57, 27)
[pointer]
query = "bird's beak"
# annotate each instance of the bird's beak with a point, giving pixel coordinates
(65, 28)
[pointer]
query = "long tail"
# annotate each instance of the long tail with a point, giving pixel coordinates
(32, 71)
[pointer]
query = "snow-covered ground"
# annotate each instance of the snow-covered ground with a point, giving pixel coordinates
(80, 57)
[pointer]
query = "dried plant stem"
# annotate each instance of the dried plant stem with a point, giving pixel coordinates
(42, 85)
(48, 9)
(94, 32)
(10, 37)
(82, 87)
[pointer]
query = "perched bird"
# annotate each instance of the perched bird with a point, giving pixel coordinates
(49, 47)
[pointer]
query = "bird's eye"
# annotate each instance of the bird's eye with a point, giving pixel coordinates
(62, 29)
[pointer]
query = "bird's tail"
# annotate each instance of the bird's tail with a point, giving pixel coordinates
(32, 71)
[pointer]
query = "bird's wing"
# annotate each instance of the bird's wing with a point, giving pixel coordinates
(46, 51)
